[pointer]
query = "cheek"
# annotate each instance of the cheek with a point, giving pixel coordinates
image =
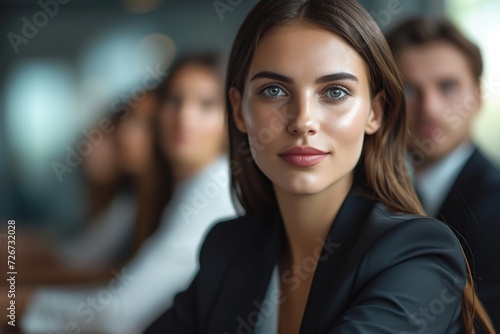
(469, 103)
(264, 122)
(411, 107)
(347, 129)
(263, 136)
(211, 127)
(255, 115)
(412, 111)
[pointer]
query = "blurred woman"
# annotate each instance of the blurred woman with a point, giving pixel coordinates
(118, 182)
(123, 226)
(192, 192)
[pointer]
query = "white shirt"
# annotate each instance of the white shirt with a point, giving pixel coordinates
(142, 290)
(435, 182)
(98, 246)
(267, 321)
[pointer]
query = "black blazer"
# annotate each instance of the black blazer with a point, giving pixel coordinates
(472, 209)
(379, 272)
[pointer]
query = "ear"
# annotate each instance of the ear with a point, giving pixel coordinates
(376, 114)
(235, 99)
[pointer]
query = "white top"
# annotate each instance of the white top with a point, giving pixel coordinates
(98, 246)
(434, 183)
(267, 321)
(165, 265)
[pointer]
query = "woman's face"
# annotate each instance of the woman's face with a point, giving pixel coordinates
(306, 108)
(192, 117)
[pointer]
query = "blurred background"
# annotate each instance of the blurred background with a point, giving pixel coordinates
(65, 65)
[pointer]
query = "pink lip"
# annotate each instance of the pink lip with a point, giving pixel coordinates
(303, 156)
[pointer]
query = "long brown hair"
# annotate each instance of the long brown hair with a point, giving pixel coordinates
(147, 186)
(100, 194)
(382, 167)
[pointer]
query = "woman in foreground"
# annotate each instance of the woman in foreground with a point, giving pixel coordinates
(334, 239)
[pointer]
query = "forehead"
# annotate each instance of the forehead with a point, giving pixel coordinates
(194, 80)
(433, 61)
(305, 51)
(193, 74)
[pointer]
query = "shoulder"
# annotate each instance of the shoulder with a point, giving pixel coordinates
(483, 172)
(385, 222)
(477, 190)
(490, 181)
(232, 228)
(401, 264)
(391, 238)
(226, 237)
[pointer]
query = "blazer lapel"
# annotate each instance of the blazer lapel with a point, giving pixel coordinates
(454, 203)
(456, 209)
(345, 229)
(247, 280)
(244, 285)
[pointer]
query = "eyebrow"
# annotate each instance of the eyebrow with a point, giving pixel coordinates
(336, 77)
(320, 80)
(272, 75)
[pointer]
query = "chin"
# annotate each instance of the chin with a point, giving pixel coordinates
(181, 156)
(441, 152)
(301, 186)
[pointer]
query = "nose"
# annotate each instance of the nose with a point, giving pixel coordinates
(303, 120)
(185, 115)
(431, 105)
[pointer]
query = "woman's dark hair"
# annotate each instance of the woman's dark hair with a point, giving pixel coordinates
(382, 169)
(210, 60)
(144, 186)
(99, 196)
(423, 31)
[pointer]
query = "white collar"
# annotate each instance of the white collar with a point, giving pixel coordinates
(435, 182)
(217, 170)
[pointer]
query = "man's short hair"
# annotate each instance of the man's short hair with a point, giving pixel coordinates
(421, 31)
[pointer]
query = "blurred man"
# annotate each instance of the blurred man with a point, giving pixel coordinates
(455, 182)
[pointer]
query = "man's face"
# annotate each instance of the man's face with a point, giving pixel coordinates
(442, 96)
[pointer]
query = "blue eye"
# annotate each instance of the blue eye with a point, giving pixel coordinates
(448, 87)
(272, 91)
(337, 93)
